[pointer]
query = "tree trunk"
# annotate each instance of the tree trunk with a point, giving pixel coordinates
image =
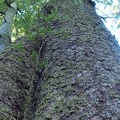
(6, 27)
(80, 72)
(17, 80)
(81, 79)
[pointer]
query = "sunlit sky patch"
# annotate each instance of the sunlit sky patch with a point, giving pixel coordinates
(111, 23)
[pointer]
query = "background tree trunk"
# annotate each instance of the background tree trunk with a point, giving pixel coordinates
(81, 80)
(17, 81)
(6, 27)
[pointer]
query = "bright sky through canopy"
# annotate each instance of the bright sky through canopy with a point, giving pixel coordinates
(111, 23)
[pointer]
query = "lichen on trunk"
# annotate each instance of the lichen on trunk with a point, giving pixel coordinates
(17, 78)
(81, 80)
(79, 71)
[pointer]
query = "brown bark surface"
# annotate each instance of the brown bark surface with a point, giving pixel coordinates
(17, 75)
(82, 78)
(80, 75)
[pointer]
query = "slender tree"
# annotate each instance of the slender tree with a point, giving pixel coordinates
(79, 71)
(10, 9)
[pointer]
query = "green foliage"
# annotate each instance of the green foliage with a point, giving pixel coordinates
(50, 17)
(1, 20)
(32, 36)
(18, 46)
(20, 59)
(3, 6)
(28, 13)
(44, 30)
(34, 55)
(42, 64)
(28, 16)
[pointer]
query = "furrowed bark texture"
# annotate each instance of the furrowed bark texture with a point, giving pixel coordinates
(17, 72)
(82, 78)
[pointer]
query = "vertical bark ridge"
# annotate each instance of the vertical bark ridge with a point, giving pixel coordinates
(81, 80)
(17, 70)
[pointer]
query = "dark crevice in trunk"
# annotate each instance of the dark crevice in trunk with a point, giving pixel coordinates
(37, 82)
(35, 94)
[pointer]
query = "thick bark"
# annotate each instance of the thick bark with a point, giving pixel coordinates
(81, 77)
(17, 80)
(81, 80)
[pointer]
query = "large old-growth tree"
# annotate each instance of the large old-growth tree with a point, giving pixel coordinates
(69, 73)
